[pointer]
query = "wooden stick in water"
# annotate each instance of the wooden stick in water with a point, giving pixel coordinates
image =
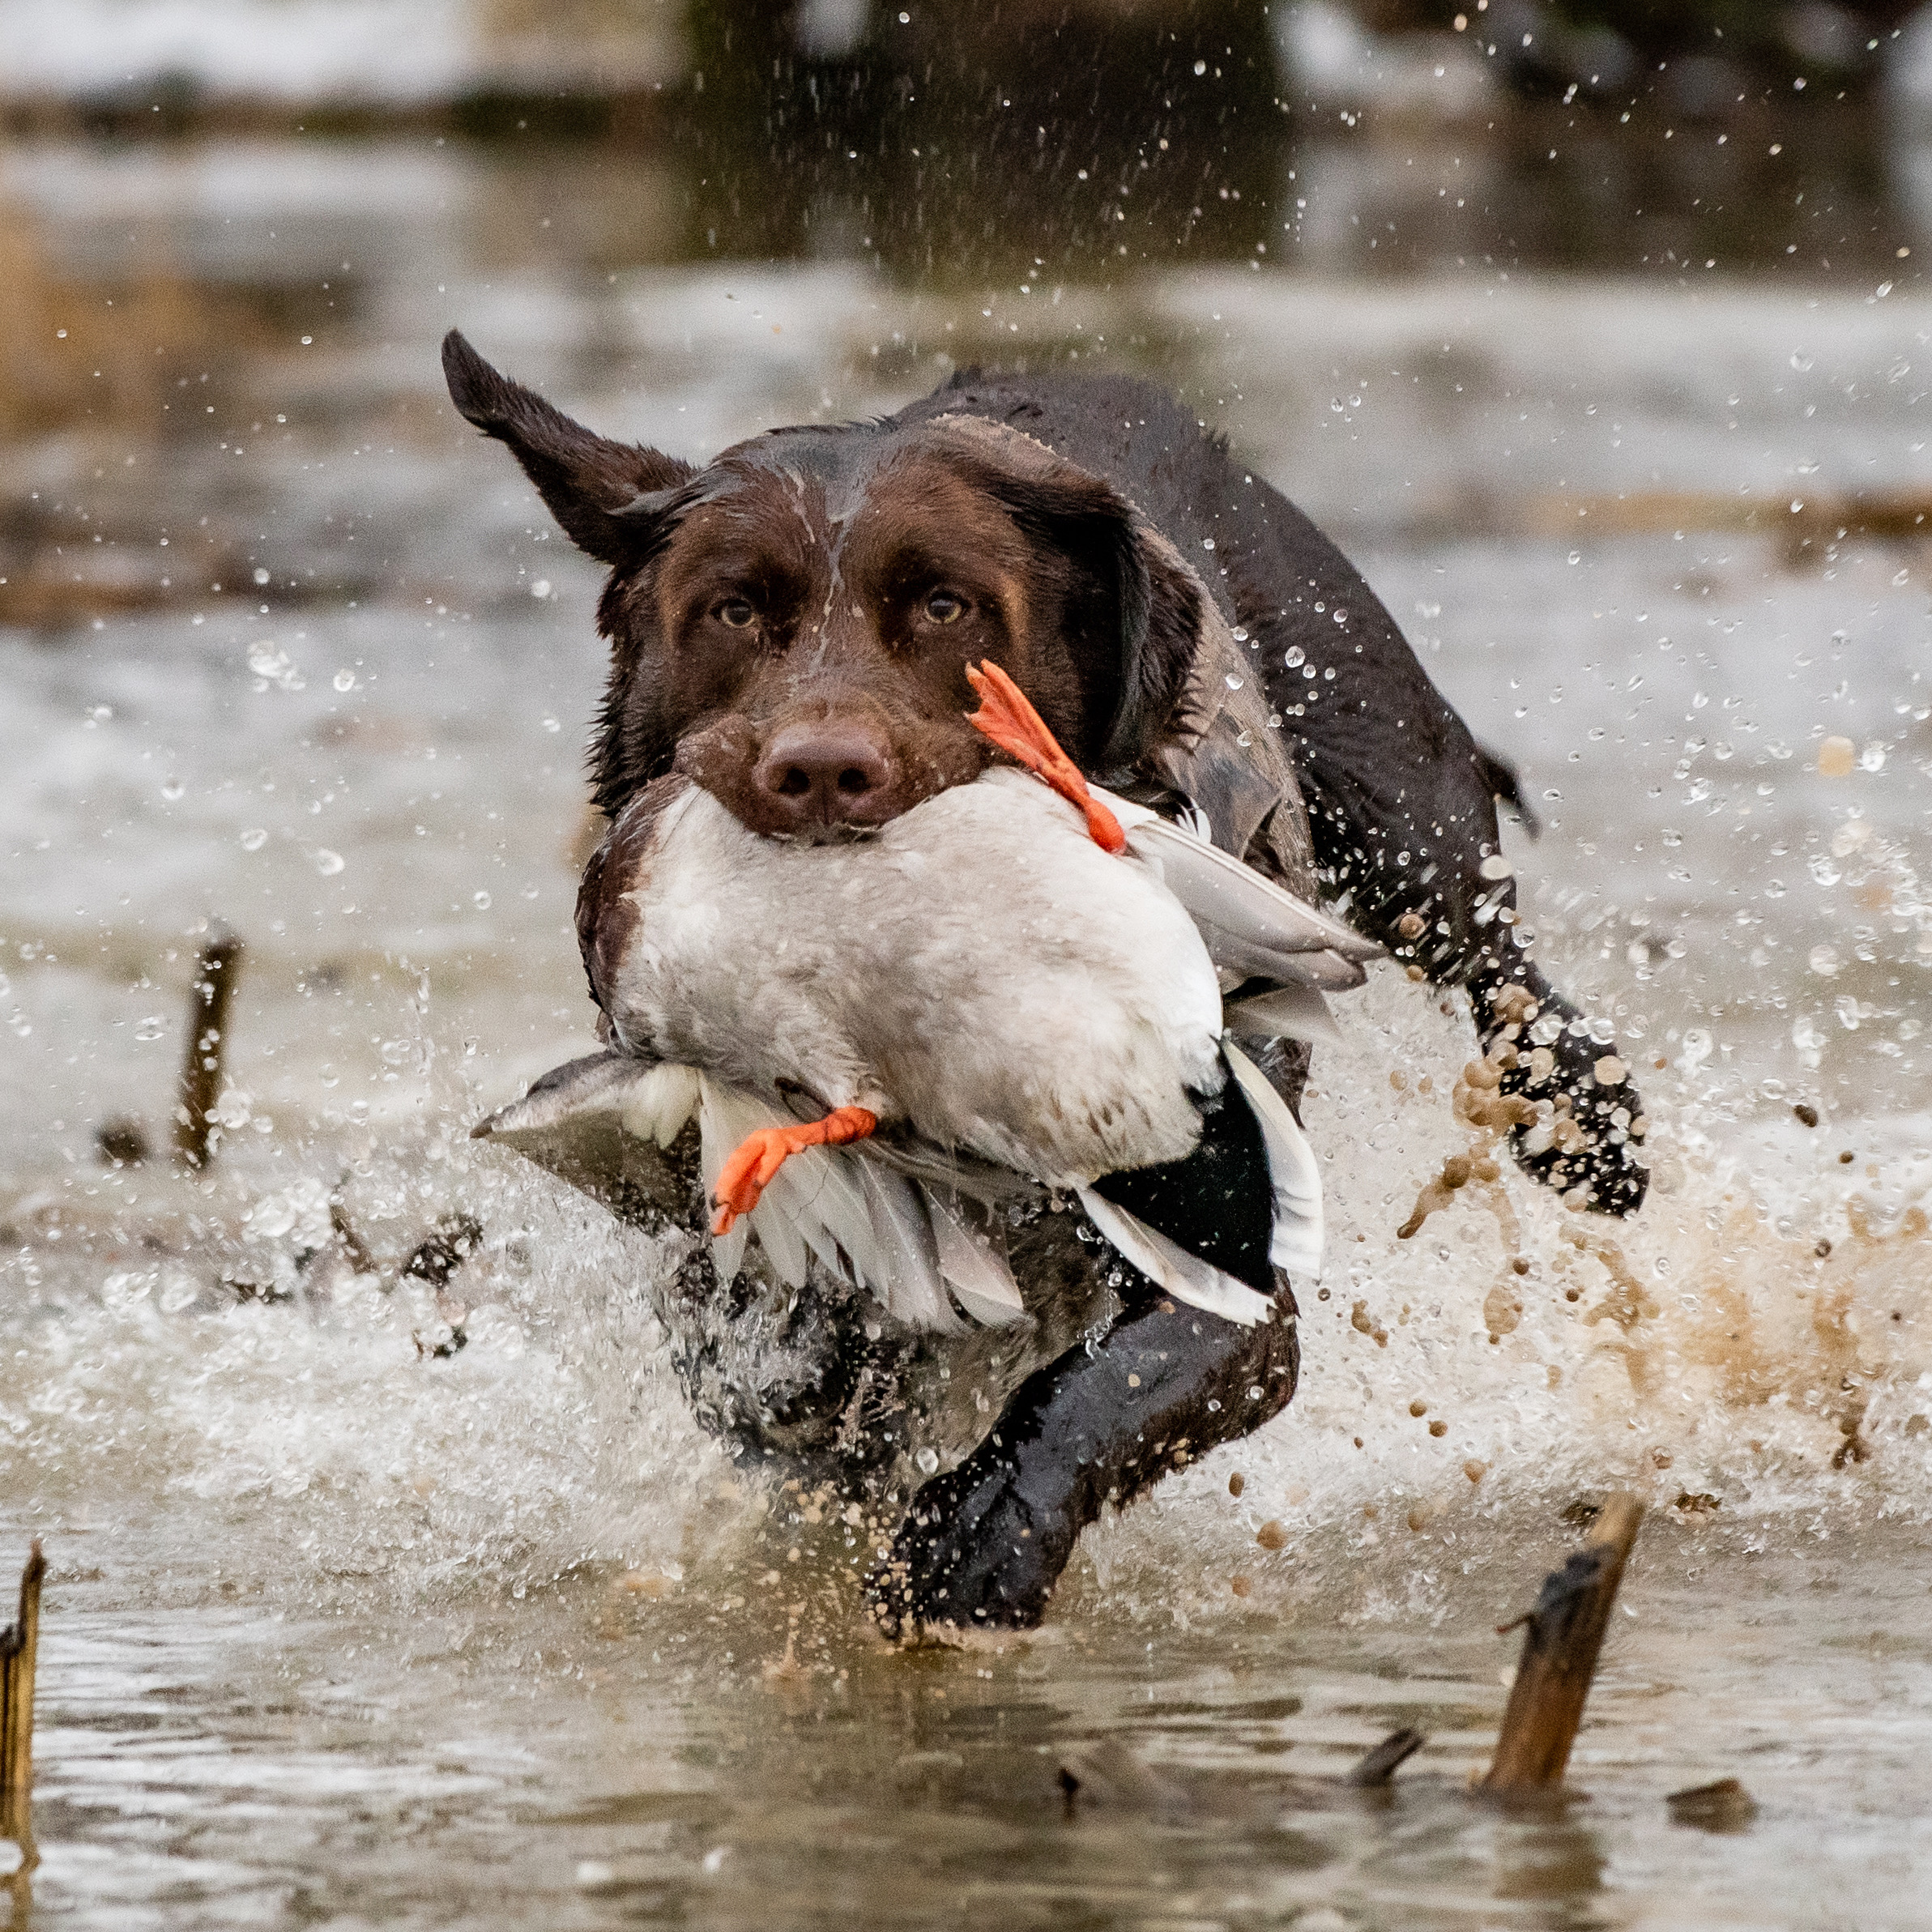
(1564, 1634)
(18, 1642)
(1380, 1766)
(214, 974)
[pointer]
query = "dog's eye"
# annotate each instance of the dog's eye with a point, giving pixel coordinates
(736, 613)
(945, 607)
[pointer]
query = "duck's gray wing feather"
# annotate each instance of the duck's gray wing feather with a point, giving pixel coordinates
(602, 1124)
(1222, 891)
(1294, 1012)
(973, 1265)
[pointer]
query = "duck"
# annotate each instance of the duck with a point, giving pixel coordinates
(1023, 982)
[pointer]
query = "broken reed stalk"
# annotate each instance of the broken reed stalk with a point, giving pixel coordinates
(1564, 1634)
(214, 974)
(18, 1642)
(1379, 1766)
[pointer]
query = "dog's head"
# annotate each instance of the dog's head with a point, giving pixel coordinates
(792, 625)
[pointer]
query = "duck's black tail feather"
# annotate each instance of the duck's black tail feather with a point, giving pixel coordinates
(1217, 1202)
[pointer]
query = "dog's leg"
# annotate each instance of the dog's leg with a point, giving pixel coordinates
(984, 1544)
(1585, 1080)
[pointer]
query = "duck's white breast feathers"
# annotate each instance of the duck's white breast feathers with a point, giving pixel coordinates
(980, 968)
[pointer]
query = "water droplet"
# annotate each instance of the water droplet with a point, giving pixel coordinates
(1576, 557)
(1496, 866)
(344, 681)
(261, 575)
(172, 789)
(394, 1052)
(927, 1459)
(253, 839)
(541, 588)
(1200, 67)
(150, 1028)
(481, 901)
(1235, 681)
(273, 665)
(1296, 655)
(1835, 757)
(328, 864)
(1824, 961)
(1800, 361)
(272, 1217)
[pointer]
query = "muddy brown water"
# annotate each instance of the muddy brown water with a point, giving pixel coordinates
(340, 1631)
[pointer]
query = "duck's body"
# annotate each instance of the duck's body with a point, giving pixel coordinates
(979, 972)
(1003, 984)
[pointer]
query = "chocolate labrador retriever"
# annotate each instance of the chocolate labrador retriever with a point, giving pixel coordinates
(790, 628)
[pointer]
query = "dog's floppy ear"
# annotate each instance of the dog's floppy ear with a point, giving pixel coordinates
(601, 491)
(1149, 604)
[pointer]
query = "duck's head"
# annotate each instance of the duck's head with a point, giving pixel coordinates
(792, 624)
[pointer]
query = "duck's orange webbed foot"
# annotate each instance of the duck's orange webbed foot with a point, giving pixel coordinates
(1007, 717)
(756, 1158)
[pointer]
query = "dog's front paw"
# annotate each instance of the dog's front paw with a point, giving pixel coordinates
(971, 1555)
(1589, 1122)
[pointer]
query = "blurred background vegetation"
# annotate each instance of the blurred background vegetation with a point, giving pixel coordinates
(190, 192)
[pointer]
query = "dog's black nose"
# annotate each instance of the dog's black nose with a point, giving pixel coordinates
(834, 771)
